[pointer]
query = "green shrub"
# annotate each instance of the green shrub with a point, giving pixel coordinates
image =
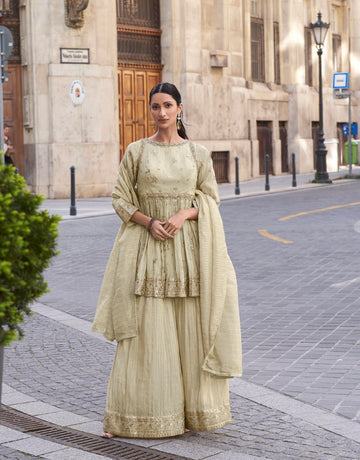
(27, 243)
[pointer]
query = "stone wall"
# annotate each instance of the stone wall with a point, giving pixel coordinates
(59, 133)
(207, 52)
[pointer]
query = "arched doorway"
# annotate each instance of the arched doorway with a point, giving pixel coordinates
(139, 66)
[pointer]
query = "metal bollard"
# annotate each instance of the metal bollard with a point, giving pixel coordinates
(72, 202)
(237, 185)
(267, 183)
(293, 170)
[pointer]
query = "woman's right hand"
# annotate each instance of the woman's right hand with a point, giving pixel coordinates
(158, 232)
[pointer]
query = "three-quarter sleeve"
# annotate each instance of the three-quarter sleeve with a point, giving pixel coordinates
(124, 197)
(206, 177)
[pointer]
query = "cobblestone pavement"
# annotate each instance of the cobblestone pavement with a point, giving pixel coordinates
(6, 452)
(299, 311)
(70, 370)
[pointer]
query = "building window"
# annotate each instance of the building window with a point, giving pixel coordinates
(138, 31)
(257, 50)
(276, 53)
(221, 166)
(5, 5)
(308, 57)
(255, 8)
(141, 13)
(336, 42)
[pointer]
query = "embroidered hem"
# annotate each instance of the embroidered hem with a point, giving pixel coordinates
(162, 427)
(208, 420)
(150, 287)
(144, 427)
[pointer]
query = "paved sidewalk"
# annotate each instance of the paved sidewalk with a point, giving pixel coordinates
(288, 428)
(91, 207)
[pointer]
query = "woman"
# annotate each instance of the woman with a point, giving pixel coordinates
(169, 295)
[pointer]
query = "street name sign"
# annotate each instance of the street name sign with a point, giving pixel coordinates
(340, 80)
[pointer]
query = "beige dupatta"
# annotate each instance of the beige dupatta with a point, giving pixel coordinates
(115, 315)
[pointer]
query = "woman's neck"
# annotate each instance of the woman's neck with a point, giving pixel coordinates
(166, 137)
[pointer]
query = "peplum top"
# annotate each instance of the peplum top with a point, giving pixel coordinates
(159, 180)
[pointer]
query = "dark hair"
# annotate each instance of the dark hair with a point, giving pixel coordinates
(170, 89)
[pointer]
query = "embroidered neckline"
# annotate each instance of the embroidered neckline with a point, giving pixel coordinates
(165, 144)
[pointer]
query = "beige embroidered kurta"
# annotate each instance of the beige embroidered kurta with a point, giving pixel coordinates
(159, 180)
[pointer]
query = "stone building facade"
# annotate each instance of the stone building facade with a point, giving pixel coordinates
(81, 71)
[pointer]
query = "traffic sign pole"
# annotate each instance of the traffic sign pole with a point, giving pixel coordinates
(350, 130)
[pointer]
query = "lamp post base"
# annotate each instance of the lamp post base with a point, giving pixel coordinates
(322, 181)
(322, 178)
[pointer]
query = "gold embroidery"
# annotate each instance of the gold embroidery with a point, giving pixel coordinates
(174, 196)
(151, 287)
(207, 420)
(124, 210)
(144, 427)
(168, 425)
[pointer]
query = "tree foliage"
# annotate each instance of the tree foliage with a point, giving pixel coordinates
(27, 243)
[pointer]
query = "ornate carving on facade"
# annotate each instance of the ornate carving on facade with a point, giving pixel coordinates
(11, 20)
(74, 13)
(9, 9)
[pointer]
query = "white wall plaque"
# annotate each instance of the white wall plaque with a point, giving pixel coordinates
(77, 92)
(74, 56)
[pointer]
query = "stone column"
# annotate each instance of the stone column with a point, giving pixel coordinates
(293, 77)
(57, 132)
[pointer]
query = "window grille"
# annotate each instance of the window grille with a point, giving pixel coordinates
(257, 50)
(221, 166)
(308, 57)
(141, 13)
(138, 37)
(139, 48)
(276, 53)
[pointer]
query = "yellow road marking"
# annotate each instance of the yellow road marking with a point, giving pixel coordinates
(318, 210)
(273, 237)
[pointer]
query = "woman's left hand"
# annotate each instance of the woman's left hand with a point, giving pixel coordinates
(174, 223)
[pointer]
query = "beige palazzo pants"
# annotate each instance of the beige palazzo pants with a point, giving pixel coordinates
(157, 387)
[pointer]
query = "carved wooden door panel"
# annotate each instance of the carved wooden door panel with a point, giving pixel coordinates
(135, 120)
(141, 106)
(126, 108)
(153, 78)
(13, 113)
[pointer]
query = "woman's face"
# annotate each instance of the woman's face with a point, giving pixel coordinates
(164, 110)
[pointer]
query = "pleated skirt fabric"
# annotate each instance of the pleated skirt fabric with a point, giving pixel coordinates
(156, 387)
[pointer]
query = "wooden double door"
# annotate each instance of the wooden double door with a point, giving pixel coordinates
(12, 103)
(135, 121)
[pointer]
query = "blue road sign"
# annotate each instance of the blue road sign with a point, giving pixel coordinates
(354, 129)
(340, 80)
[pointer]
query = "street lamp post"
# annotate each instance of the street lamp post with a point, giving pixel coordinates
(320, 29)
